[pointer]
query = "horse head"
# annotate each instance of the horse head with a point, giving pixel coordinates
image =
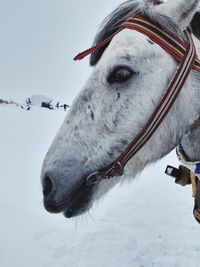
(128, 78)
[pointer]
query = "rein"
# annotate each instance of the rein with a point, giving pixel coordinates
(185, 54)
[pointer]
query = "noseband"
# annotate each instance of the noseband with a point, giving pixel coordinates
(185, 54)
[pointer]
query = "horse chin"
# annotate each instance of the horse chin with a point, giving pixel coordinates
(72, 212)
(81, 201)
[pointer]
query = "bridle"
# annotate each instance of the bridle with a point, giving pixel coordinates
(185, 54)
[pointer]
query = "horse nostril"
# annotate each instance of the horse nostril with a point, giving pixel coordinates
(47, 186)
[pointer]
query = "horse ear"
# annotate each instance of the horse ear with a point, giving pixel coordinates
(182, 11)
(196, 25)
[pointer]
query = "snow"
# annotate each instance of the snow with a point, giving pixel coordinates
(146, 223)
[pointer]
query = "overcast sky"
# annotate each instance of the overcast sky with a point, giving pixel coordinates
(38, 40)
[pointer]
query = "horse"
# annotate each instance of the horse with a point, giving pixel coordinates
(130, 74)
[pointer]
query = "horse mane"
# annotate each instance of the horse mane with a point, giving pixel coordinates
(113, 22)
(196, 25)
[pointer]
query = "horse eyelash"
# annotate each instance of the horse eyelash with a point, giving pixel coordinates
(118, 68)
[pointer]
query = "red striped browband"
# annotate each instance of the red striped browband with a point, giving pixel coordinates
(185, 54)
(173, 45)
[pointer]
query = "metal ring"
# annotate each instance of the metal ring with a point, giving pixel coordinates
(90, 176)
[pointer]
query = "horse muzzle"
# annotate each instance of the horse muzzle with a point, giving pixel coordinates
(72, 198)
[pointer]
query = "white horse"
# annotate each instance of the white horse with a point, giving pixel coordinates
(128, 79)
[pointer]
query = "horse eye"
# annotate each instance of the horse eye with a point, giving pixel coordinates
(120, 75)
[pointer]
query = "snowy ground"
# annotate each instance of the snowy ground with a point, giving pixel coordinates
(146, 223)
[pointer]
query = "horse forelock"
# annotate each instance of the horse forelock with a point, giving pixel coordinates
(114, 20)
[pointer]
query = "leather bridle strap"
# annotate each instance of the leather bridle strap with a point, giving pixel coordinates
(185, 54)
(173, 45)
